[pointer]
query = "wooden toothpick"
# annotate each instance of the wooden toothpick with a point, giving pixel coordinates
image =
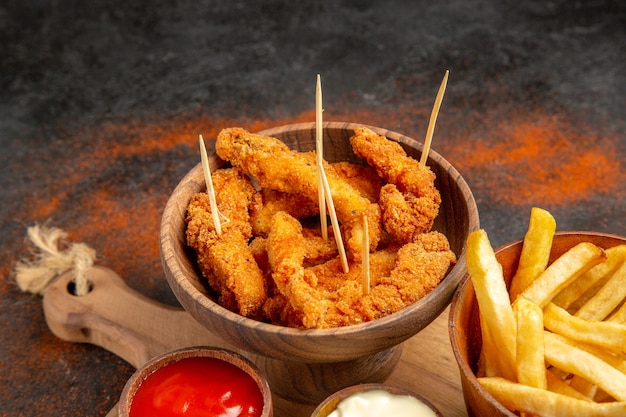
(365, 258)
(319, 153)
(334, 222)
(209, 186)
(433, 119)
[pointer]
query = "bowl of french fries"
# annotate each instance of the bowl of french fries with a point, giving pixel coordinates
(538, 326)
(326, 321)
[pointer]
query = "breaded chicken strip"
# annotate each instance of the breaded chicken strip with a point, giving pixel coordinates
(277, 167)
(409, 202)
(226, 260)
(298, 205)
(316, 249)
(285, 249)
(326, 297)
(363, 178)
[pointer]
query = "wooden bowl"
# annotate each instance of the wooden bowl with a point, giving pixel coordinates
(330, 404)
(464, 323)
(346, 355)
(135, 381)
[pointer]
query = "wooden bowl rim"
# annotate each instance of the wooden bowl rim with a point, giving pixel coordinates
(448, 284)
(465, 294)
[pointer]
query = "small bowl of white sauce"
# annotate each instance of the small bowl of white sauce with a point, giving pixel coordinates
(375, 400)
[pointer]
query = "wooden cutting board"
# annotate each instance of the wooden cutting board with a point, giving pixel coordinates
(137, 328)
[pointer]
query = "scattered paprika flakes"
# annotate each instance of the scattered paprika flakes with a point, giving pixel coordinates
(136, 136)
(524, 160)
(46, 210)
(132, 224)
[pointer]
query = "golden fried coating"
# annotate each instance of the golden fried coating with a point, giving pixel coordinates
(363, 178)
(278, 311)
(410, 202)
(225, 260)
(298, 205)
(285, 249)
(316, 249)
(429, 257)
(277, 167)
(405, 215)
(258, 248)
(327, 297)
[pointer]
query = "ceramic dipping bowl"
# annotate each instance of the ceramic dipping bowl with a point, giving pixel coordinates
(199, 381)
(330, 404)
(464, 324)
(308, 365)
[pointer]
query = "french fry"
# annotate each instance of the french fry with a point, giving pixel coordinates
(563, 271)
(535, 251)
(596, 275)
(620, 315)
(617, 361)
(530, 362)
(607, 334)
(497, 320)
(546, 403)
(602, 397)
(607, 298)
(490, 363)
(579, 362)
(585, 387)
(558, 386)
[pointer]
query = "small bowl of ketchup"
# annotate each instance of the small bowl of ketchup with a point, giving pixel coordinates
(197, 381)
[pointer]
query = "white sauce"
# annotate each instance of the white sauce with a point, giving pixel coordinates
(378, 403)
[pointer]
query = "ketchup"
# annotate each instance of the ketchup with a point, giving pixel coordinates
(197, 386)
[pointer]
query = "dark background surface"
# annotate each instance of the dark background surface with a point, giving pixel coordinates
(101, 104)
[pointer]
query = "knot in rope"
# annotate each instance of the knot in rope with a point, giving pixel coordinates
(51, 260)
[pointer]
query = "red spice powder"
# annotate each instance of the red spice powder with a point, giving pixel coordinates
(138, 137)
(522, 161)
(127, 228)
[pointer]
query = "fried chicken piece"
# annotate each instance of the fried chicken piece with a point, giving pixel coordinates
(298, 205)
(345, 292)
(226, 260)
(363, 178)
(409, 202)
(399, 277)
(285, 249)
(277, 167)
(326, 297)
(258, 248)
(421, 265)
(316, 249)
(279, 311)
(405, 216)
